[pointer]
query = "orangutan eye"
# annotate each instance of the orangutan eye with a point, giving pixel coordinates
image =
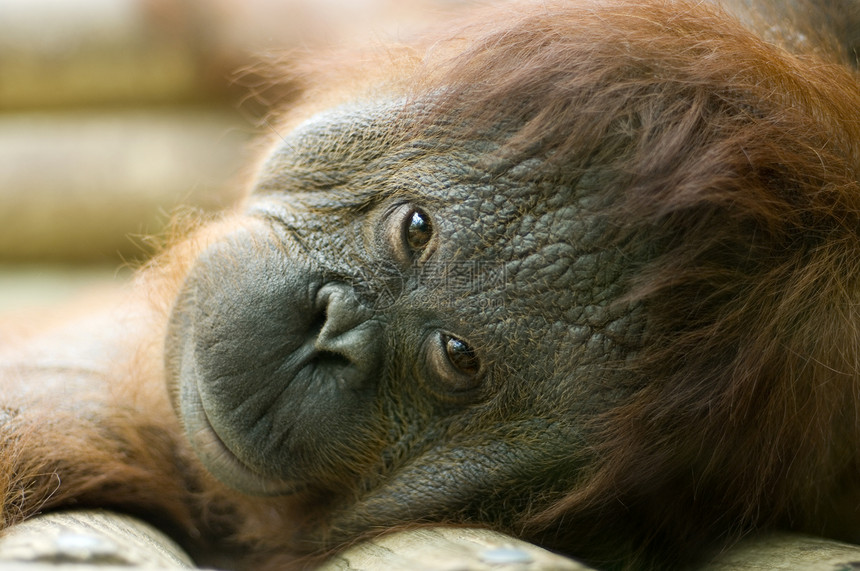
(461, 356)
(409, 233)
(455, 363)
(417, 230)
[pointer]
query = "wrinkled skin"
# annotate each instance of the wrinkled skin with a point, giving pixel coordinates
(307, 337)
(583, 280)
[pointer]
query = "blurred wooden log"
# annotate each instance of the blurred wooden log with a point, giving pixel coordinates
(75, 187)
(60, 53)
(31, 294)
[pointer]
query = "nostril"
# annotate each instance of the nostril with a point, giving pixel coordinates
(337, 315)
(338, 371)
(330, 359)
(318, 323)
(344, 336)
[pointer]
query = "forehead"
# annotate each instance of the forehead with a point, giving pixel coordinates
(380, 149)
(332, 147)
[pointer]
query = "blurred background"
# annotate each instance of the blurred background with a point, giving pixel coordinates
(115, 113)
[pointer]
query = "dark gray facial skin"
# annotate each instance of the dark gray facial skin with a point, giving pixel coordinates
(396, 323)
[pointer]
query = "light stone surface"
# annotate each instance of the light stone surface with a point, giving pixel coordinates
(88, 539)
(449, 549)
(103, 541)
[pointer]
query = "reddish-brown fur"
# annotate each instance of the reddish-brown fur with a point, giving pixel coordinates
(738, 158)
